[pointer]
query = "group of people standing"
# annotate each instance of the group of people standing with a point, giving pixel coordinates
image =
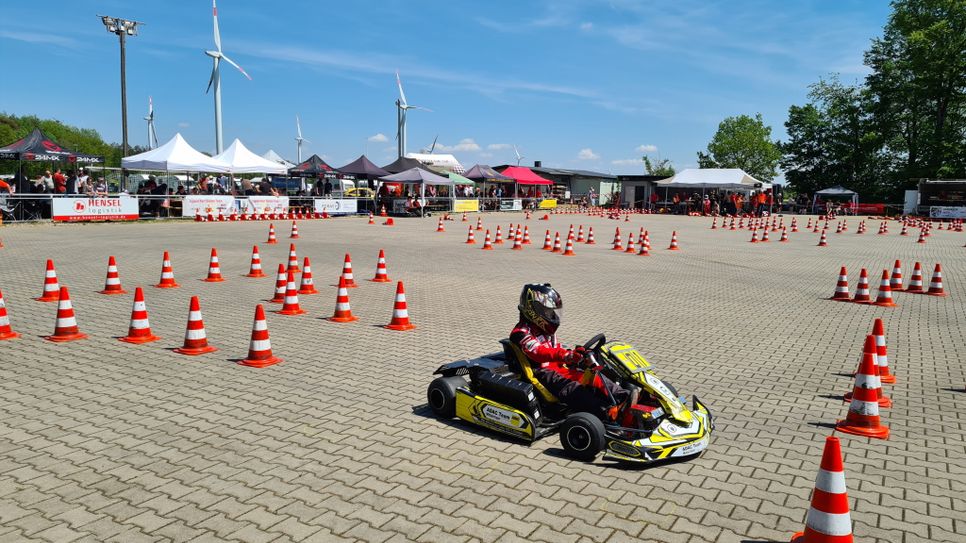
(721, 203)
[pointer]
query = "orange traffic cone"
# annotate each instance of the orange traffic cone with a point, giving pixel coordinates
(794, 225)
(863, 416)
(590, 236)
(499, 236)
(617, 240)
(112, 284)
(882, 353)
(280, 282)
(674, 241)
(214, 271)
(556, 243)
(295, 231)
(570, 247)
(630, 243)
(871, 380)
(372, 219)
(307, 284)
(470, 238)
(547, 243)
(464, 219)
(382, 211)
(905, 230)
(272, 240)
(479, 223)
(784, 237)
(66, 327)
(714, 224)
(922, 236)
(400, 312)
(862, 295)
(518, 241)
(487, 242)
(382, 275)
(293, 259)
(645, 247)
(823, 241)
(828, 519)
(260, 348)
(842, 287)
(754, 236)
(167, 273)
(936, 283)
(256, 268)
(526, 235)
(439, 225)
(764, 235)
(291, 306)
(195, 338)
(51, 290)
(895, 280)
(580, 234)
(389, 222)
(915, 282)
(140, 329)
(6, 332)
(343, 312)
(347, 272)
(884, 297)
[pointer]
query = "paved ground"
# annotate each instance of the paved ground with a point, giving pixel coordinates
(106, 441)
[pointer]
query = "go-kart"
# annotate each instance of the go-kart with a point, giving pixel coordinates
(499, 392)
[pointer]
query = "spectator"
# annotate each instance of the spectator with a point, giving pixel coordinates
(181, 191)
(71, 187)
(48, 181)
(60, 182)
(100, 188)
(5, 187)
(246, 186)
(327, 189)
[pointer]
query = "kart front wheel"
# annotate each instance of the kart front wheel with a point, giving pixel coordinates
(441, 396)
(582, 436)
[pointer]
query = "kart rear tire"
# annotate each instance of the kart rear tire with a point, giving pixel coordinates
(582, 436)
(441, 396)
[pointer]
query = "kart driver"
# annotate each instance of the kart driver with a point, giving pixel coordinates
(561, 370)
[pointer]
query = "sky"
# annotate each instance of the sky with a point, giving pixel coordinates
(581, 84)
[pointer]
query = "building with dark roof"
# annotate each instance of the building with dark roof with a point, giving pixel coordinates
(573, 184)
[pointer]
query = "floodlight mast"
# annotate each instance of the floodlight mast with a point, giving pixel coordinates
(123, 28)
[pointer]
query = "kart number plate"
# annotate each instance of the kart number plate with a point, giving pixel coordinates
(502, 416)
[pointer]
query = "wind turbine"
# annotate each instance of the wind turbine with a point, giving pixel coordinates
(401, 107)
(519, 158)
(217, 56)
(299, 139)
(152, 135)
(433, 147)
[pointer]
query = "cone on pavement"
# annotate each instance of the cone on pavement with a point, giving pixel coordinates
(167, 273)
(487, 242)
(464, 219)
(784, 237)
(272, 240)
(51, 292)
(870, 380)
(214, 271)
(580, 234)
(905, 230)
(862, 294)
(343, 312)
(547, 243)
(556, 243)
(630, 243)
(674, 241)
(195, 337)
(389, 222)
(293, 259)
(280, 282)
(382, 211)
(290, 305)
(922, 236)
(295, 231)
(260, 347)
(517, 240)
(439, 225)
(372, 219)
(590, 236)
(347, 272)
(569, 251)
(112, 284)
(400, 311)
(823, 241)
(255, 270)
(470, 238)
(479, 223)
(382, 276)
(828, 519)
(645, 246)
(794, 225)
(6, 332)
(882, 353)
(499, 236)
(842, 287)
(764, 235)
(526, 235)
(863, 416)
(140, 329)
(915, 282)
(754, 236)
(884, 298)
(66, 327)
(617, 246)
(714, 223)
(895, 279)
(936, 283)
(307, 284)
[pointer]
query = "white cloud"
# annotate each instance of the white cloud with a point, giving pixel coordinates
(466, 145)
(499, 146)
(587, 154)
(649, 148)
(626, 162)
(378, 138)
(586, 27)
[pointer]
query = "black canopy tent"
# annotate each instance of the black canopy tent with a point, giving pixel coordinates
(314, 167)
(363, 168)
(39, 147)
(402, 164)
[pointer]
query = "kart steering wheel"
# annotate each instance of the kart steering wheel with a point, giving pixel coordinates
(595, 342)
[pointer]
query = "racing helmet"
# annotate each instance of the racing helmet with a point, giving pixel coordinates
(541, 307)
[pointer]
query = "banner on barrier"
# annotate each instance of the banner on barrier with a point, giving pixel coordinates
(947, 212)
(511, 205)
(95, 209)
(549, 203)
(195, 204)
(466, 205)
(263, 204)
(334, 206)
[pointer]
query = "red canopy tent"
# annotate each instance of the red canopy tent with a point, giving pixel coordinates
(525, 176)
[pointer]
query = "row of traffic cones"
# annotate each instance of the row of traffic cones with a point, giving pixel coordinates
(888, 285)
(235, 216)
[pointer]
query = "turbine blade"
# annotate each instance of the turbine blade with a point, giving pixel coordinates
(232, 62)
(298, 126)
(402, 95)
(214, 15)
(214, 70)
(433, 148)
(420, 108)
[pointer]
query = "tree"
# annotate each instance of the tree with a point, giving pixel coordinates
(743, 142)
(662, 167)
(82, 140)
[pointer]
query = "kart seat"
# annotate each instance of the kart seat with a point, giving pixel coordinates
(519, 361)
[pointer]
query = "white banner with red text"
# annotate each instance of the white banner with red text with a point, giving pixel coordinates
(263, 204)
(203, 204)
(121, 208)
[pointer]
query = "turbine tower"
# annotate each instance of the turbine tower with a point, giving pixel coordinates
(217, 56)
(152, 135)
(401, 107)
(299, 139)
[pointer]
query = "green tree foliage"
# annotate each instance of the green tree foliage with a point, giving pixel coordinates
(743, 142)
(82, 140)
(662, 167)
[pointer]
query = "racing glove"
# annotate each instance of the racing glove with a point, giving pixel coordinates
(577, 355)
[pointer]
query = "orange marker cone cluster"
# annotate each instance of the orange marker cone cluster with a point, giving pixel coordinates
(260, 348)
(617, 241)
(842, 287)
(112, 284)
(863, 416)
(347, 272)
(256, 267)
(882, 353)
(6, 332)
(400, 312)
(272, 240)
(139, 330)
(195, 337)
(382, 276)
(214, 270)
(870, 380)
(343, 312)
(828, 519)
(167, 273)
(307, 285)
(66, 327)
(51, 292)
(290, 305)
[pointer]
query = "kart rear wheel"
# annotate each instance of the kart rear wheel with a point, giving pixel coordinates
(582, 436)
(441, 396)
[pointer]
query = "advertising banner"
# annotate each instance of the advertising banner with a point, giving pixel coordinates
(947, 212)
(549, 203)
(511, 205)
(263, 204)
(334, 206)
(95, 209)
(205, 203)
(466, 205)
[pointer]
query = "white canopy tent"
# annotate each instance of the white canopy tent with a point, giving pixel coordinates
(175, 155)
(713, 178)
(240, 160)
(275, 157)
(837, 192)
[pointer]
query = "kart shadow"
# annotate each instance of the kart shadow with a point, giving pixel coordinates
(614, 463)
(823, 424)
(844, 374)
(424, 411)
(760, 541)
(831, 397)
(959, 390)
